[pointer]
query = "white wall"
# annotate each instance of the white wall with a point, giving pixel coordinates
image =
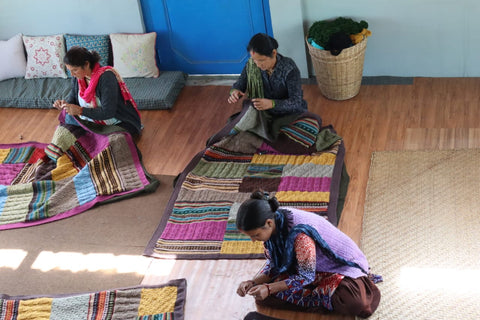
(287, 25)
(48, 17)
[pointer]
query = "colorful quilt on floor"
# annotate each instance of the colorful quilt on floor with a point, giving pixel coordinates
(165, 301)
(41, 182)
(199, 222)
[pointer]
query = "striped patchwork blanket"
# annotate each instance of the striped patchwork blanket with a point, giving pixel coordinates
(165, 301)
(41, 183)
(199, 222)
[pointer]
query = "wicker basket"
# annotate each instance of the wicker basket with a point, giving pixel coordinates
(339, 77)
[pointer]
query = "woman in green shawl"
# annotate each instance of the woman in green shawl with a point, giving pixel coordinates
(273, 84)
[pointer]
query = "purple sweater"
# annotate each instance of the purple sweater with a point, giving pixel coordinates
(338, 241)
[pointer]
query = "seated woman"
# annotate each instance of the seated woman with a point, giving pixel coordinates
(273, 84)
(99, 94)
(311, 265)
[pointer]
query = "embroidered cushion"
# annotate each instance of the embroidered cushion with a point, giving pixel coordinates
(45, 56)
(98, 43)
(12, 58)
(134, 54)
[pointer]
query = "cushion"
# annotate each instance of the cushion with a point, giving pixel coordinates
(149, 93)
(134, 54)
(12, 58)
(98, 43)
(45, 56)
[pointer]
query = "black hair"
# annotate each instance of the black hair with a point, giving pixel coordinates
(263, 44)
(254, 212)
(77, 56)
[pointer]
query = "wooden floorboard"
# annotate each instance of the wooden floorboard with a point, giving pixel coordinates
(431, 113)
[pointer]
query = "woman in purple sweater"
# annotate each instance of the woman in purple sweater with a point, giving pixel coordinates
(311, 265)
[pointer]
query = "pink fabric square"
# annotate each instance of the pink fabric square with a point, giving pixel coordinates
(211, 230)
(310, 184)
(10, 172)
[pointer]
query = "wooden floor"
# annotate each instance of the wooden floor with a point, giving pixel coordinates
(432, 113)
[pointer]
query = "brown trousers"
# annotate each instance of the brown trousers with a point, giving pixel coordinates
(355, 297)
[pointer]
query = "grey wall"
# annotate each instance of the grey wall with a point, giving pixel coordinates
(49, 17)
(434, 38)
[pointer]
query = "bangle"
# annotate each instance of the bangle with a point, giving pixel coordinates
(268, 288)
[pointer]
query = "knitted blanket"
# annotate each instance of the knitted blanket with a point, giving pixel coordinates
(199, 221)
(165, 301)
(41, 182)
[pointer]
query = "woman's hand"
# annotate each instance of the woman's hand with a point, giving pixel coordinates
(58, 104)
(235, 95)
(244, 287)
(72, 109)
(262, 104)
(259, 292)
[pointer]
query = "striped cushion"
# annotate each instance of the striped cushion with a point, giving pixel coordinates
(303, 131)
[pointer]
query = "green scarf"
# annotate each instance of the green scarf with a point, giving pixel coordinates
(254, 80)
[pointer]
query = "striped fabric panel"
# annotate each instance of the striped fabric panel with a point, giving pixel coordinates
(308, 184)
(303, 131)
(9, 309)
(188, 212)
(104, 174)
(322, 159)
(53, 152)
(101, 305)
(264, 171)
(24, 175)
(203, 220)
(315, 207)
(195, 182)
(38, 207)
(78, 155)
(219, 154)
(295, 196)
(19, 155)
(187, 246)
(231, 170)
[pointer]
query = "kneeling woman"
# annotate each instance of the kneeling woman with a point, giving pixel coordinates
(311, 265)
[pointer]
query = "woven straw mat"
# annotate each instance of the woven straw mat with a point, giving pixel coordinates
(421, 232)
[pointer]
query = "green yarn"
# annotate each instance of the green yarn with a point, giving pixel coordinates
(254, 80)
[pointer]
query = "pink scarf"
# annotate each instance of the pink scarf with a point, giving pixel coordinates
(88, 93)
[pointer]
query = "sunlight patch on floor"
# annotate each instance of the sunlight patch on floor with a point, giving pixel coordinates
(12, 258)
(91, 262)
(437, 279)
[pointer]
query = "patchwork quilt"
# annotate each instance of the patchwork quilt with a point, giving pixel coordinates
(164, 301)
(303, 169)
(41, 182)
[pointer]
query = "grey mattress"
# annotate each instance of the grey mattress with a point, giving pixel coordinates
(149, 93)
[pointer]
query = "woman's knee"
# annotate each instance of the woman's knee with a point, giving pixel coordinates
(358, 297)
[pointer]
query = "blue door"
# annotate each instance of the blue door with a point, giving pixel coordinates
(205, 37)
